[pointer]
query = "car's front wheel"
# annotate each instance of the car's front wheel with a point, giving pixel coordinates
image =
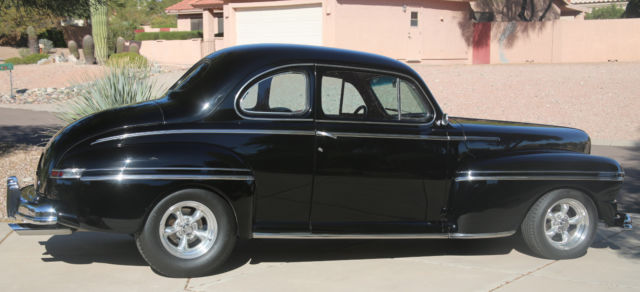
(560, 225)
(189, 233)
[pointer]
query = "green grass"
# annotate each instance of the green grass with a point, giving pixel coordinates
(31, 59)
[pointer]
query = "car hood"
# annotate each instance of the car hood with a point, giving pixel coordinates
(136, 115)
(514, 136)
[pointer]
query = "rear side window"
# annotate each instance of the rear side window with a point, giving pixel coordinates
(283, 93)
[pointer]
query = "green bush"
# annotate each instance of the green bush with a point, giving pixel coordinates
(146, 36)
(608, 12)
(25, 52)
(130, 59)
(31, 59)
(121, 85)
(168, 35)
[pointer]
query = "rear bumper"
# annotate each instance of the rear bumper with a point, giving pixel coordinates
(34, 214)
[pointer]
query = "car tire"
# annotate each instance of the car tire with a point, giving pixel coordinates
(560, 225)
(194, 244)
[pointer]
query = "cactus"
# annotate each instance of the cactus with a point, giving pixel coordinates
(134, 48)
(73, 49)
(87, 49)
(33, 40)
(99, 29)
(120, 45)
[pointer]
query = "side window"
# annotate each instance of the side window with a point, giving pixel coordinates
(400, 99)
(340, 98)
(285, 93)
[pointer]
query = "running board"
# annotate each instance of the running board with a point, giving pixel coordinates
(308, 235)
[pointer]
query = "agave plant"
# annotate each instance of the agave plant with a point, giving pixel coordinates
(122, 84)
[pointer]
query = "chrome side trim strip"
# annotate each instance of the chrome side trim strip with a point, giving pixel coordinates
(308, 235)
(158, 168)
(401, 136)
(539, 175)
(205, 131)
(120, 177)
(26, 229)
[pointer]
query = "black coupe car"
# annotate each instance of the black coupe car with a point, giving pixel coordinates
(284, 141)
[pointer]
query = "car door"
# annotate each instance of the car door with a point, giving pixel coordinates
(278, 146)
(380, 164)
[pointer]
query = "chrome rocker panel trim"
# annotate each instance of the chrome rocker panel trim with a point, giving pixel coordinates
(308, 235)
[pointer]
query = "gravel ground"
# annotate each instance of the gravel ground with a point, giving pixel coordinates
(603, 99)
(20, 161)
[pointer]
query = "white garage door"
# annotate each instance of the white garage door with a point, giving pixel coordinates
(293, 25)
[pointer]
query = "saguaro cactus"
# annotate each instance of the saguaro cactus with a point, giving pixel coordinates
(120, 45)
(99, 29)
(134, 48)
(33, 39)
(73, 49)
(87, 49)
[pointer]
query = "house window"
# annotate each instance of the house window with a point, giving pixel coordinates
(196, 23)
(220, 26)
(414, 18)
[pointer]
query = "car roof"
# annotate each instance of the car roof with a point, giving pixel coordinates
(260, 55)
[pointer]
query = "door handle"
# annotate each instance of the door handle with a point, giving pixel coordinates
(326, 134)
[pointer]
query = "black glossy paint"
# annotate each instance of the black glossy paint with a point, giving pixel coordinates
(354, 185)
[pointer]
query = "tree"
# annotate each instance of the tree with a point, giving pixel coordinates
(608, 12)
(633, 9)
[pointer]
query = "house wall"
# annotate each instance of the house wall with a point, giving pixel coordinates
(172, 51)
(565, 41)
(443, 35)
(184, 23)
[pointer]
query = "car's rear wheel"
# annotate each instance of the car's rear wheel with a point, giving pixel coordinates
(189, 233)
(560, 225)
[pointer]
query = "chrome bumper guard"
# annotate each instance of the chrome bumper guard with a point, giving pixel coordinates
(34, 216)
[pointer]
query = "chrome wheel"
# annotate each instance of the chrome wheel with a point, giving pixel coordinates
(566, 224)
(188, 229)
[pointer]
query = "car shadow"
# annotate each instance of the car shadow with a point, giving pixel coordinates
(95, 247)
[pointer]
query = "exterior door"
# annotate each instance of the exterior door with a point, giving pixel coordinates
(379, 163)
(414, 37)
(299, 24)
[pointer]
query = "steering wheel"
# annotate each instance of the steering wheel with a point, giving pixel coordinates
(362, 107)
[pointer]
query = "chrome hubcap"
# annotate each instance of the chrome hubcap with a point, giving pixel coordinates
(188, 229)
(566, 224)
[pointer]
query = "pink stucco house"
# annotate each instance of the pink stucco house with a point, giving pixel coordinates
(424, 31)
(413, 30)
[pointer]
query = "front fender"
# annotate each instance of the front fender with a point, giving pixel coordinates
(495, 194)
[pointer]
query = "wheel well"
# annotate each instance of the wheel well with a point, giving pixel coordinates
(209, 189)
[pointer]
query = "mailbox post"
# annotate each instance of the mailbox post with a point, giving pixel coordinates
(8, 67)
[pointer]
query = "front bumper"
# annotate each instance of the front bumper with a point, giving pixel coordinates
(35, 215)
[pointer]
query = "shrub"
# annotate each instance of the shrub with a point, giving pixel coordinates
(31, 59)
(24, 52)
(128, 59)
(146, 36)
(47, 45)
(168, 35)
(55, 35)
(121, 85)
(608, 12)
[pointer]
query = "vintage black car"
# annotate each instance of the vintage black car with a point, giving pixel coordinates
(284, 141)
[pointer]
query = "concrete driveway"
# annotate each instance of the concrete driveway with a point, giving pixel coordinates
(108, 262)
